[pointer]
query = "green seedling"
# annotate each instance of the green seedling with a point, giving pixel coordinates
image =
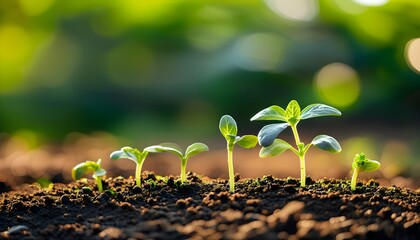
(192, 150)
(362, 164)
(133, 154)
(292, 116)
(89, 166)
(229, 130)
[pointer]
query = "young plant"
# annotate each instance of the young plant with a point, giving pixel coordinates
(192, 150)
(291, 116)
(87, 167)
(132, 154)
(229, 130)
(362, 164)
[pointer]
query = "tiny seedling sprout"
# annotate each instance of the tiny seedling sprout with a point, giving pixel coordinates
(90, 166)
(362, 164)
(292, 116)
(192, 150)
(229, 130)
(132, 154)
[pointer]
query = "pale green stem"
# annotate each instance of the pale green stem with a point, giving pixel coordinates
(230, 166)
(302, 171)
(354, 179)
(99, 183)
(139, 166)
(183, 170)
(301, 153)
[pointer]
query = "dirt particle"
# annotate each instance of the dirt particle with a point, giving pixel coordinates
(112, 233)
(290, 189)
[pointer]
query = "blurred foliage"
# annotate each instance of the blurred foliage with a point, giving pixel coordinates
(165, 68)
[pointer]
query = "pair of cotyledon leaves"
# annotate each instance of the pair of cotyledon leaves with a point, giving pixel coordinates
(291, 116)
(363, 164)
(136, 156)
(88, 166)
(229, 130)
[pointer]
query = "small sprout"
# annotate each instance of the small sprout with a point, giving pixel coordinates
(229, 129)
(192, 150)
(89, 166)
(132, 154)
(362, 164)
(291, 116)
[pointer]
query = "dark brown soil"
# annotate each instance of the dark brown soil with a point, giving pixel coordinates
(263, 208)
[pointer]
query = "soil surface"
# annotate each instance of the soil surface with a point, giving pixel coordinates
(262, 208)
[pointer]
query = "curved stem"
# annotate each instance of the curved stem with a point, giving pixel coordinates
(296, 135)
(354, 179)
(99, 183)
(183, 170)
(230, 166)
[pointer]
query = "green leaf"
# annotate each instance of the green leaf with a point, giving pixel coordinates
(126, 152)
(166, 147)
(271, 113)
(326, 143)
(247, 141)
(269, 132)
(195, 148)
(319, 110)
(364, 164)
(278, 147)
(293, 111)
(83, 168)
(227, 126)
(370, 166)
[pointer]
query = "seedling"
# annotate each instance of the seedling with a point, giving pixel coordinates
(229, 130)
(362, 164)
(132, 154)
(89, 166)
(292, 116)
(192, 150)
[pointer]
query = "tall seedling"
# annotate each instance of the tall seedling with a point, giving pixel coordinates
(229, 130)
(291, 116)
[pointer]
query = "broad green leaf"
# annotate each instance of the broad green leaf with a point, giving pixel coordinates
(247, 141)
(278, 147)
(166, 147)
(227, 126)
(370, 165)
(293, 111)
(319, 110)
(271, 113)
(326, 143)
(83, 168)
(269, 132)
(195, 148)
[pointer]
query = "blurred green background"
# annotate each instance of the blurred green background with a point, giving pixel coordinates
(166, 70)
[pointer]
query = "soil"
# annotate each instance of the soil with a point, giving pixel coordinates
(262, 208)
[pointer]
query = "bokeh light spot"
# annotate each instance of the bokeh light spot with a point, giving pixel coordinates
(338, 84)
(259, 52)
(412, 54)
(371, 2)
(296, 10)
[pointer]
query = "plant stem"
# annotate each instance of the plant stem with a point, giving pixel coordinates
(354, 179)
(295, 134)
(230, 166)
(138, 173)
(183, 170)
(301, 153)
(302, 171)
(99, 183)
